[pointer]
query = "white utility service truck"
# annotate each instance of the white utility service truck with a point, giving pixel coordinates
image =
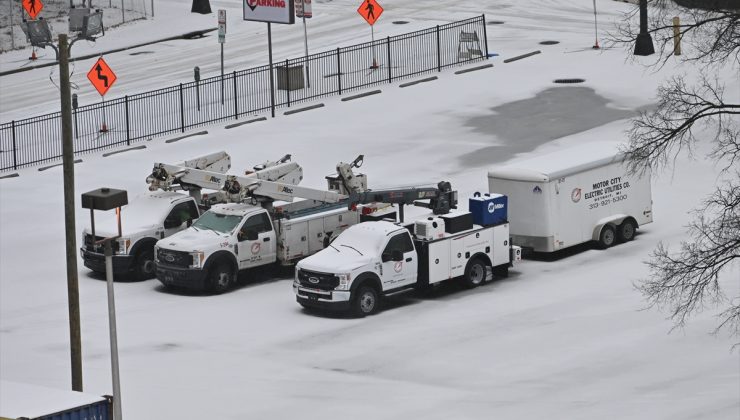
(573, 196)
(161, 212)
(252, 229)
(377, 258)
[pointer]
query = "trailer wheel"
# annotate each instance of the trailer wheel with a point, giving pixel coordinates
(626, 231)
(607, 237)
(220, 278)
(475, 273)
(144, 265)
(366, 301)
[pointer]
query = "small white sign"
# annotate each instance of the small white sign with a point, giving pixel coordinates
(274, 11)
(303, 7)
(222, 16)
(221, 33)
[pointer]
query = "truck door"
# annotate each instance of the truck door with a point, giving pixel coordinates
(180, 217)
(257, 244)
(401, 271)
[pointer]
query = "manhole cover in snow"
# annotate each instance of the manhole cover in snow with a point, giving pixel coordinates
(569, 80)
(549, 42)
(400, 22)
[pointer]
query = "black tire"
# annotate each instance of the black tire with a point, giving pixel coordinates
(607, 237)
(220, 278)
(475, 273)
(144, 265)
(366, 301)
(626, 231)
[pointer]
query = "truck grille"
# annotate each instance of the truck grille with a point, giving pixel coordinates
(314, 280)
(174, 258)
(90, 244)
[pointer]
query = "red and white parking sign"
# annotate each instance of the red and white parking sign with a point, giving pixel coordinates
(274, 11)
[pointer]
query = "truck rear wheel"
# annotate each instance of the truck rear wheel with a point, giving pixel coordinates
(475, 273)
(366, 301)
(626, 231)
(220, 278)
(607, 237)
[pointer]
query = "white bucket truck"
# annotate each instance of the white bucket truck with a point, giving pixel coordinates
(573, 196)
(254, 229)
(378, 258)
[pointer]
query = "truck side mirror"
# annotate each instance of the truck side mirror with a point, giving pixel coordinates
(250, 235)
(397, 255)
(385, 257)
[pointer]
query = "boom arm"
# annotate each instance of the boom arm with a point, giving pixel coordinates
(441, 199)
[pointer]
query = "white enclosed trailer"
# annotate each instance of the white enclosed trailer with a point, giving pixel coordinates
(573, 196)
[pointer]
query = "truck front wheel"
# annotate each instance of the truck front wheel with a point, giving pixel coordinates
(144, 266)
(475, 273)
(219, 278)
(366, 301)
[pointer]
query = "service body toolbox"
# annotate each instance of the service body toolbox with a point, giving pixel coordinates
(573, 196)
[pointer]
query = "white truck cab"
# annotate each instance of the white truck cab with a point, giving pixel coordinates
(148, 218)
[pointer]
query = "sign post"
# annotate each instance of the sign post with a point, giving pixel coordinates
(370, 10)
(303, 10)
(270, 12)
(221, 41)
(102, 78)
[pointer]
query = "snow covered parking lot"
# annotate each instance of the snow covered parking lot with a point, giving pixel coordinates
(565, 339)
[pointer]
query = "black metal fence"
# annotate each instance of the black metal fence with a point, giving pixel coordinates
(125, 120)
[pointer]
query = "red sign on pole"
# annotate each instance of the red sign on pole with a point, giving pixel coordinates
(33, 7)
(101, 76)
(370, 10)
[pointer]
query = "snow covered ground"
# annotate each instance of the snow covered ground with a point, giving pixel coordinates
(566, 339)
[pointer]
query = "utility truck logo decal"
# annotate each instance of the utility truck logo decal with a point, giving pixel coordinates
(398, 266)
(284, 189)
(607, 192)
(256, 248)
(576, 195)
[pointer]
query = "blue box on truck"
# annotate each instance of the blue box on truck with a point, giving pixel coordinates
(488, 209)
(18, 400)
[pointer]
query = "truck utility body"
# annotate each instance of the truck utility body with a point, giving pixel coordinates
(378, 258)
(573, 196)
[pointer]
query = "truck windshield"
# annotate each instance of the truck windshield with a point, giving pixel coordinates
(222, 223)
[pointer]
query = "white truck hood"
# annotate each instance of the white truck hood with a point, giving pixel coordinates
(335, 260)
(190, 240)
(108, 227)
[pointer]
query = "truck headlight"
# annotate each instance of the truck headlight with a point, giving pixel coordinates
(198, 258)
(344, 281)
(156, 254)
(123, 245)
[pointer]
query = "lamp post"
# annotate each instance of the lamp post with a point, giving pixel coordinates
(644, 44)
(107, 199)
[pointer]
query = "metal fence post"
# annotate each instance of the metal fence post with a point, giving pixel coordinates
(236, 102)
(182, 110)
(15, 161)
(439, 52)
(128, 134)
(339, 71)
(485, 35)
(388, 48)
(287, 76)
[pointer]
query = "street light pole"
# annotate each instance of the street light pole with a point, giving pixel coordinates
(73, 292)
(644, 44)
